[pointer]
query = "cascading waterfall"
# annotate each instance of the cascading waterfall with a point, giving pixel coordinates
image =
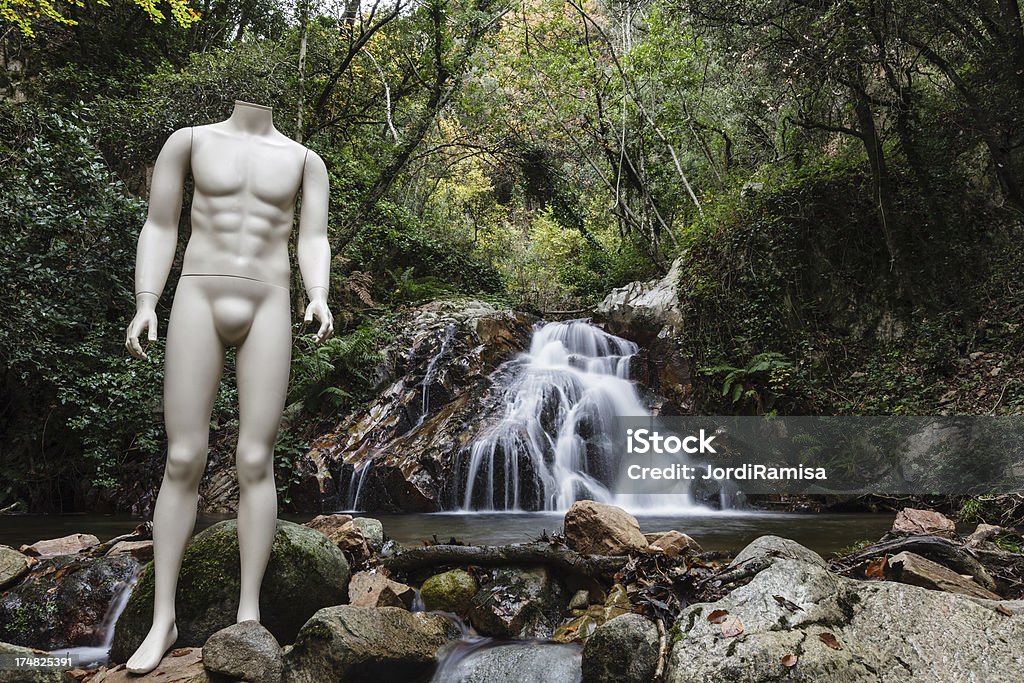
(553, 445)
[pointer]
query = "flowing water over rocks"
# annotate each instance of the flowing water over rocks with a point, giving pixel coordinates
(552, 446)
(397, 454)
(486, 410)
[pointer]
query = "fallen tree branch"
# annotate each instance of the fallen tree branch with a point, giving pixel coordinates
(662, 650)
(941, 550)
(557, 557)
(744, 571)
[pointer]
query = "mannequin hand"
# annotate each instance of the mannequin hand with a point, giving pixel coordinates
(318, 309)
(145, 318)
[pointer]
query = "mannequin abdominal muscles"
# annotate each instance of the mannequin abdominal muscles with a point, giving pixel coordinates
(233, 291)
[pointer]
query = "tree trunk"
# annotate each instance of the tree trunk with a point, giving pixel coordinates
(880, 176)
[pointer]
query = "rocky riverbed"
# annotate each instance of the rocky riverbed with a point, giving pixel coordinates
(599, 601)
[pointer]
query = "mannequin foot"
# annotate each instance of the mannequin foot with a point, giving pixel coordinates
(157, 643)
(248, 613)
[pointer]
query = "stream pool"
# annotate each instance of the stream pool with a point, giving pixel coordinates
(824, 533)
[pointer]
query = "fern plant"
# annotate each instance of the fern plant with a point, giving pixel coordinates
(757, 381)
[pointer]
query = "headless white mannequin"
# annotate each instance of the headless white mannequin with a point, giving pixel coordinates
(233, 292)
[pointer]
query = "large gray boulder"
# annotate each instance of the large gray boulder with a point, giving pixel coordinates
(649, 313)
(372, 531)
(380, 644)
(622, 650)
(526, 662)
(306, 572)
(842, 631)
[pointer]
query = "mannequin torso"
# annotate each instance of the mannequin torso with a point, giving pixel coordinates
(246, 186)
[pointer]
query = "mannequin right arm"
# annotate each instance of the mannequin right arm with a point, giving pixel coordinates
(159, 237)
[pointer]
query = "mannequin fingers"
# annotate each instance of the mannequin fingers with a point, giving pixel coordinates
(324, 331)
(151, 324)
(134, 348)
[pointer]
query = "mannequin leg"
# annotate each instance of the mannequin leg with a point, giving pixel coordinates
(262, 366)
(194, 361)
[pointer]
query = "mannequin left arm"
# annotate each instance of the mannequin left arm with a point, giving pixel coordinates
(314, 249)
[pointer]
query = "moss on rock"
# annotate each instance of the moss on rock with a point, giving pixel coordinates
(451, 591)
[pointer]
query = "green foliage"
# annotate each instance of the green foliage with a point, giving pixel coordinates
(67, 251)
(340, 373)
(413, 263)
(289, 452)
(25, 14)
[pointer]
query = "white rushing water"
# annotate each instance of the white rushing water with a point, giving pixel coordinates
(553, 445)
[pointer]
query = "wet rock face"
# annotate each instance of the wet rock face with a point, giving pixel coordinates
(399, 453)
(306, 572)
(347, 643)
(622, 650)
(518, 603)
(841, 630)
(599, 529)
(62, 601)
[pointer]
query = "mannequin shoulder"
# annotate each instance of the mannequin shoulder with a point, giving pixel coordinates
(177, 149)
(180, 139)
(313, 162)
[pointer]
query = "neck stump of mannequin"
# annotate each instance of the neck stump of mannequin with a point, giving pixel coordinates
(252, 118)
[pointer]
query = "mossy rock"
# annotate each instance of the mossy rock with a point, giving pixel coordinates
(451, 591)
(62, 601)
(306, 572)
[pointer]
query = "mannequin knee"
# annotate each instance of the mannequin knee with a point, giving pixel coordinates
(254, 462)
(185, 463)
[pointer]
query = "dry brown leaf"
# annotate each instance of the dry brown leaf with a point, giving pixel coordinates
(789, 661)
(876, 568)
(1004, 610)
(731, 627)
(181, 652)
(717, 616)
(830, 640)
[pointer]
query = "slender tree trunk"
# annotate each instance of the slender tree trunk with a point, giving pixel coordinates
(880, 175)
(303, 37)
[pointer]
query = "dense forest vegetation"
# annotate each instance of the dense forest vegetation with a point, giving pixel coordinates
(843, 181)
